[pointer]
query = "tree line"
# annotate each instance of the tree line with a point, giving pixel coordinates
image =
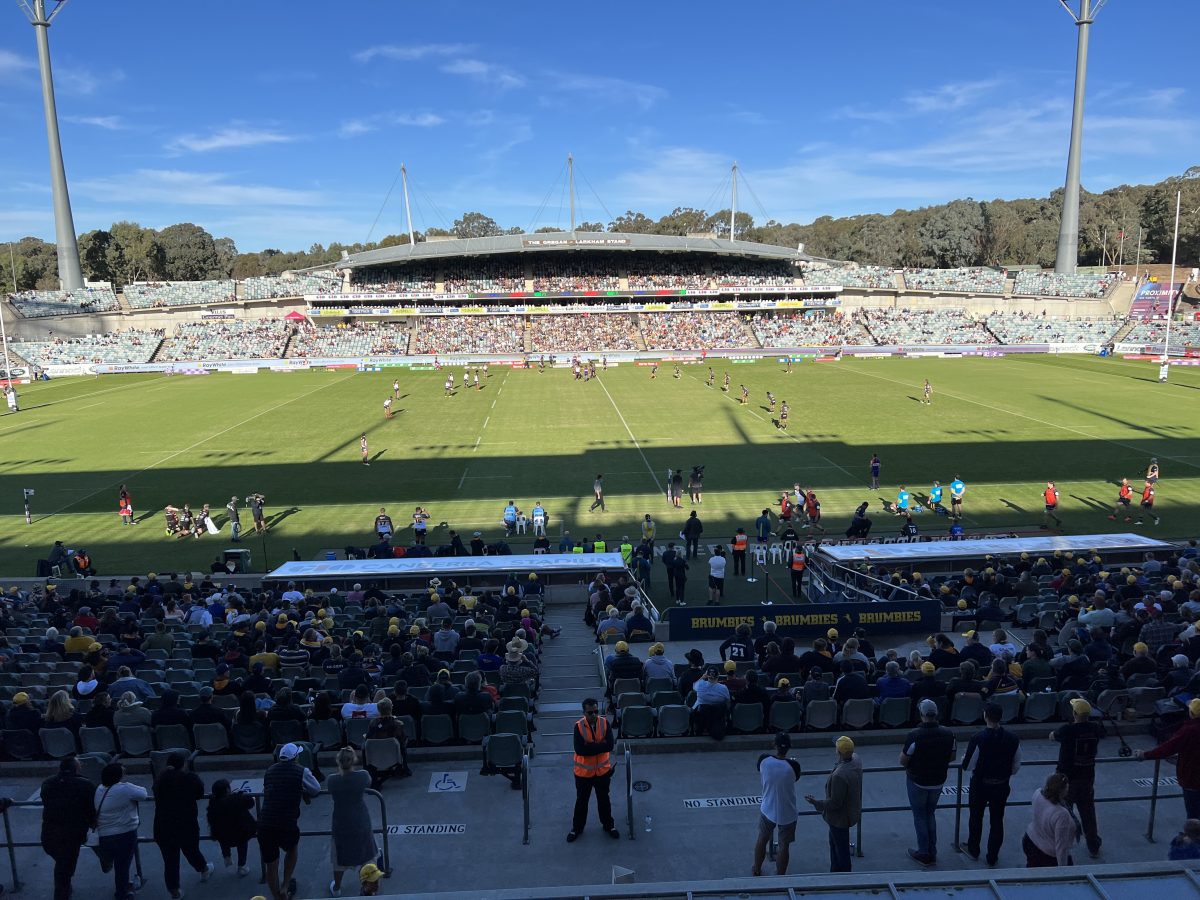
(959, 233)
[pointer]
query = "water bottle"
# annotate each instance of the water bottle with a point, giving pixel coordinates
(649, 824)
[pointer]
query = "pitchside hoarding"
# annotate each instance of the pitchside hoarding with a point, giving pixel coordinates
(808, 621)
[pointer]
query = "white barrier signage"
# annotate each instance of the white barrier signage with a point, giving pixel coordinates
(721, 802)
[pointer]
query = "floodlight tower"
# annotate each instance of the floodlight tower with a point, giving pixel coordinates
(69, 273)
(1068, 229)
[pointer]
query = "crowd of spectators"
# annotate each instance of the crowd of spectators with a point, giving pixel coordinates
(112, 347)
(808, 329)
(151, 294)
(470, 334)
(1155, 333)
(1052, 284)
(755, 273)
(263, 287)
(965, 280)
(876, 277)
(416, 278)
(582, 332)
(949, 325)
(663, 274)
(227, 339)
(1024, 328)
(485, 276)
(575, 275)
(39, 304)
(360, 337)
(694, 331)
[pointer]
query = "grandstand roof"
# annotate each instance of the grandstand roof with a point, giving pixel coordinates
(565, 240)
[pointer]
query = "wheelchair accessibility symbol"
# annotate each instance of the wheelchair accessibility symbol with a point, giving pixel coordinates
(447, 782)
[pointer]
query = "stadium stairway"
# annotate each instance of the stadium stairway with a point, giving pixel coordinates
(1125, 329)
(526, 336)
(157, 350)
(287, 345)
(570, 673)
(413, 331)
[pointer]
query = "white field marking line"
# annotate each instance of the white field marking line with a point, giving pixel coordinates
(155, 465)
(464, 478)
(477, 440)
(629, 431)
(72, 399)
(486, 419)
(1023, 416)
(791, 437)
(90, 405)
(493, 404)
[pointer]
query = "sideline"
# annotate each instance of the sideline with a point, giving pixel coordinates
(629, 431)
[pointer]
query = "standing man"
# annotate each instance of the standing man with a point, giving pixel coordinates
(1079, 745)
(745, 395)
(957, 489)
(1184, 745)
(256, 502)
(598, 491)
(1147, 503)
(783, 416)
(68, 811)
(725, 389)
(285, 784)
(235, 519)
(716, 576)
(993, 757)
(668, 560)
(1050, 495)
(928, 751)
(797, 564)
(842, 807)
(364, 450)
(593, 770)
(420, 526)
(927, 393)
(741, 542)
(692, 529)
(779, 774)
(649, 529)
(680, 568)
(876, 465)
(396, 388)
(762, 528)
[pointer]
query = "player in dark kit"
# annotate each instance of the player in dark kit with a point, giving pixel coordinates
(654, 371)
(771, 402)
(783, 416)
(726, 388)
(745, 395)
(712, 377)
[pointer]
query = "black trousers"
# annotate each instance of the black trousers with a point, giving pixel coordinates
(993, 798)
(583, 790)
(1082, 795)
(693, 547)
(739, 562)
(797, 582)
(171, 847)
(66, 856)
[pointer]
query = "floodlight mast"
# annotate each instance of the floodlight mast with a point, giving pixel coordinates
(571, 188)
(733, 205)
(70, 275)
(1068, 232)
(412, 238)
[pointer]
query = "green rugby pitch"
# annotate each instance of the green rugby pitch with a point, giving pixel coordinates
(1004, 424)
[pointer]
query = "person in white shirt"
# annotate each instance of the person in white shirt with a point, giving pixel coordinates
(360, 706)
(117, 822)
(1001, 645)
(778, 809)
(291, 595)
(716, 576)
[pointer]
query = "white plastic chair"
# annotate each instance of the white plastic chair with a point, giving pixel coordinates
(539, 525)
(760, 556)
(776, 553)
(522, 522)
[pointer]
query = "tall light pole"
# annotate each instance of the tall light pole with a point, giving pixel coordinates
(69, 273)
(1068, 230)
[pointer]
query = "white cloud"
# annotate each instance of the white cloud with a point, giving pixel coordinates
(356, 127)
(410, 52)
(109, 123)
(229, 138)
(604, 89)
(13, 66)
(949, 97)
(494, 75)
(179, 189)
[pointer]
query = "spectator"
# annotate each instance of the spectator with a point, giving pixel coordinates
(928, 751)
(1048, 839)
(1079, 745)
(388, 727)
(778, 774)
(892, 683)
(231, 823)
(992, 757)
(61, 713)
(285, 784)
(657, 665)
(353, 840)
(100, 715)
(711, 709)
(851, 685)
(176, 821)
(116, 803)
(169, 713)
(842, 807)
(360, 705)
(1184, 744)
(473, 699)
(248, 712)
(126, 682)
(130, 711)
(68, 811)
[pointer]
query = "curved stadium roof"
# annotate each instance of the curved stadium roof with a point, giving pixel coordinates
(564, 241)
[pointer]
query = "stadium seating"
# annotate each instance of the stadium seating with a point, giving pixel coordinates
(484, 277)
(811, 329)
(227, 339)
(1021, 328)
(943, 325)
(114, 348)
(264, 287)
(1156, 333)
(581, 332)
(470, 334)
(694, 330)
(417, 278)
(1051, 284)
(967, 280)
(754, 273)
(578, 276)
(663, 274)
(39, 304)
(879, 277)
(358, 338)
(146, 295)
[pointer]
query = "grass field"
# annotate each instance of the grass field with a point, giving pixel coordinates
(1005, 425)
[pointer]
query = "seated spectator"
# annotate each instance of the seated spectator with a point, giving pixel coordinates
(752, 692)
(1036, 665)
(786, 661)
(383, 727)
(130, 711)
(206, 713)
(100, 715)
(928, 685)
(223, 685)
(284, 709)
(1140, 664)
(87, 685)
(815, 688)
(1177, 680)
(1073, 669)
(657, 665)
(169, 713)
(944, 654)
(441, 695)
(965, 682)
(999, 681)
(975, 652)
(850, 653)
(517, 669)
(126, 681)
(445, 641)
(78, 642)
(490, 660)
(127, 658)
(354, 674)
(61, 713)
(851, 684)
(711, 708)
(472, 698)
(360, 706)
(258, 682)
(403, 703)
(818, 657)
(325, 708)
(622, 664)
(892, 683)
(611, 624)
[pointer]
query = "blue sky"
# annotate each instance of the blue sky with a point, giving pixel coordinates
(284, 124)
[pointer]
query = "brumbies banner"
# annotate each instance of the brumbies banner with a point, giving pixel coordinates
(809, 621)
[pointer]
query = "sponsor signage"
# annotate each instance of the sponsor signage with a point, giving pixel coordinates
(576, 242)
(901, 616)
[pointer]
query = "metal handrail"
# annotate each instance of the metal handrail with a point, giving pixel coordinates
(629, 790)
(13, 845)
(525, 794)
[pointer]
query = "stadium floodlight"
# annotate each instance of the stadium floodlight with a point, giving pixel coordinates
(1068, 231)
(69, 273)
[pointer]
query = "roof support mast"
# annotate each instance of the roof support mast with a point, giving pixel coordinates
(571, 188)
(733, 205)
(412, 239)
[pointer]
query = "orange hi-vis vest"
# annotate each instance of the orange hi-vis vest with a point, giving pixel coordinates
(740, 543)
(1051, 496)
(601, 763)
(799, 561)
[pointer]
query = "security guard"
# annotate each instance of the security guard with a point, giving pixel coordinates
(600, 545)
(798, 564)
(626, 550)
(741, 542)
(593, 770)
